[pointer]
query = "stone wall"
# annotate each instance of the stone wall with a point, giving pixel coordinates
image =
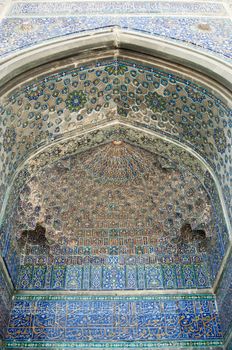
(5, 303)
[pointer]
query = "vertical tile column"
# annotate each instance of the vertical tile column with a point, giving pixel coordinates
(224, 302)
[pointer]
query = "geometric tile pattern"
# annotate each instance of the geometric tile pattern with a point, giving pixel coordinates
(122, 90)
(114, 320)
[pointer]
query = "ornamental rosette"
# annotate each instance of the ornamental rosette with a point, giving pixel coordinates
(220, 140)
(116, 69)
(155, 102)
(195, 95)
(34, 92)
(76, 100)
(9, 138)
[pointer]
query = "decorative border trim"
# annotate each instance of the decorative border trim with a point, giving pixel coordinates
(117, 38)
(119, 345)
(5, 272)
(115, 297)
(113, 293)
(16, 9)
(228, 337)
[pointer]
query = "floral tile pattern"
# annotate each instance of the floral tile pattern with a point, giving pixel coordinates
(116, 277)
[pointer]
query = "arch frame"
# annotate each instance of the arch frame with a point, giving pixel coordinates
(116, 38)
(217, 75)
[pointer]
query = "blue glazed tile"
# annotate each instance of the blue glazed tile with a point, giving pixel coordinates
(110, 277)
(73, 277)
(131, 277)
(224, 300)
(188, 276)
(172, 277)
(96, 277)
(110, 319)
(154, 277)
(202, 276)
(169, 276)
(38, 279)
(58, 277)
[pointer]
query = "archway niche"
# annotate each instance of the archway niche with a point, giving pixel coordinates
(115, 174)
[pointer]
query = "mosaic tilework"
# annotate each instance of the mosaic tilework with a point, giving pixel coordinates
(114, 277)
(5, 303)
(115, 321)
(224, 299)
(208, 34)
(114, 7)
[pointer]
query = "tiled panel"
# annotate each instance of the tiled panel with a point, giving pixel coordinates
(224, 299)
(114, 321)
(116, 277)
